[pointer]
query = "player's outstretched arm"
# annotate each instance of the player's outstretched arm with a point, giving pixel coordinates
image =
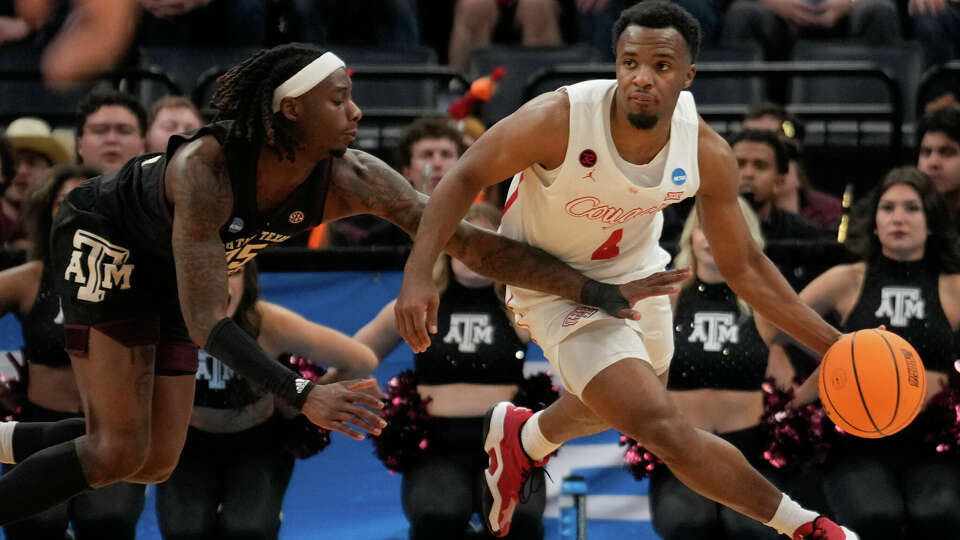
(833, 292)
(363, 183)
(198, 187)
(744, 266)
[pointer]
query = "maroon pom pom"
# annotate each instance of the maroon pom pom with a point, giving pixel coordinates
(13, 392)
(305, 367)
(637, 459)
(407, 435)
(796, 436)
(940, 422)
(301, 437)
(537, 391)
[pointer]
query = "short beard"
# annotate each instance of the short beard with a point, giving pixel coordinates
(752, 201)
(338, 153)
(642, 121)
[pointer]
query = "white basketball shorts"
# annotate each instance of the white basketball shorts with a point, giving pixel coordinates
(583, 354)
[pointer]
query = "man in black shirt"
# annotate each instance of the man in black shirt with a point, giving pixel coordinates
(938, 146)
(763, 162)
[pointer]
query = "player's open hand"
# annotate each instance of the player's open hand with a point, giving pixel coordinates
(416, 310)
(661, 283)
(333, 406)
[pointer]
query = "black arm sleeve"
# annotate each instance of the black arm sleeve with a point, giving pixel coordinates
(604, 296)
(231, 345)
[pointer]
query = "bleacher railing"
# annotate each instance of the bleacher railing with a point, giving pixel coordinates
(127, 79)
(890, 112)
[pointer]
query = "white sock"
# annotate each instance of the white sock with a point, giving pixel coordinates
(532, 440)
(790, 516)
(6, 442)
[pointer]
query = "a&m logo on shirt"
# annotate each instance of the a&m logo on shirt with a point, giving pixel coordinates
(468, 330)
(900, 304)
(714, 329)
(216, 373)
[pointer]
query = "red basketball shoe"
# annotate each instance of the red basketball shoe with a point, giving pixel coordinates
(509, 465)
(823, 529)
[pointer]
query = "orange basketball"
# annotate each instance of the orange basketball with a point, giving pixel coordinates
(872, 383)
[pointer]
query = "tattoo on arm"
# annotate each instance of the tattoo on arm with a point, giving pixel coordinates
(203, 203)
(367, 185)
(516, 263)
(373, 187)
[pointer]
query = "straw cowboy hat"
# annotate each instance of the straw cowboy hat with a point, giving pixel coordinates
(28, 133)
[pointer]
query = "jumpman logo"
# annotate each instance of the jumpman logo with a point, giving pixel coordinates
(589, 176)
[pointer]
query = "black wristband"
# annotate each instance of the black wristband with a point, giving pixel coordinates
(604, 296)
(228, 343)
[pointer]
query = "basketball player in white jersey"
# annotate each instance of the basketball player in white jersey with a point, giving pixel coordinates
(599, 160)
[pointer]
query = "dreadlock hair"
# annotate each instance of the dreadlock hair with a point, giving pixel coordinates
(245, 95)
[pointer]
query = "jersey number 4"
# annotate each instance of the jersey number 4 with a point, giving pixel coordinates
(609, 248)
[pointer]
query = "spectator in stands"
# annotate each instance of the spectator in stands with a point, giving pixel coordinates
(900, 486)
(718, 367)
(8, 162)
(205, 23)
(51, 391)
(709, 13)
(763, 163)
(111, 129)
(37, 150)
(95, 40)
(938, 141)
(15, 29)
(234, 470)
(427, 149)
(936, 26)
(8, 169)
(464, 372)
(168, 116)
(384, 24)
(796, 194)
(776, 24)
(477, 23)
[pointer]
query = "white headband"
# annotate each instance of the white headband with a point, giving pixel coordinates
(302, 81)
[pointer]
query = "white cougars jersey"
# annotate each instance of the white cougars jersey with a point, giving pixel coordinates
(591, 215)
